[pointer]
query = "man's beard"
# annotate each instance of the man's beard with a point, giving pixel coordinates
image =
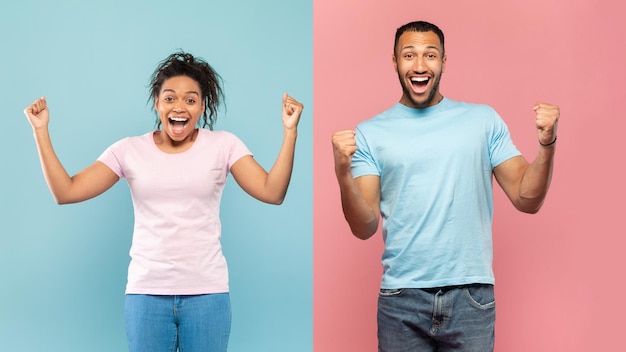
(407, 91)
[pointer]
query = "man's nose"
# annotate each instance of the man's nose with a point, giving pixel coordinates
(419, 65)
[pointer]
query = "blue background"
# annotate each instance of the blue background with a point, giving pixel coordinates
(63, 268)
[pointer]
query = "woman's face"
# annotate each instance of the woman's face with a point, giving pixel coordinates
(179, 106)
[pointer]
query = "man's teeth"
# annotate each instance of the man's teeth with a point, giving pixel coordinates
(419, 79)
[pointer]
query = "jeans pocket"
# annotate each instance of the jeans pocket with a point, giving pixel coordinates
(390, 292)
(481, 296)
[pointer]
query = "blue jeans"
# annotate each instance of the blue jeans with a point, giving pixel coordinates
(455, 318)
(178, 323)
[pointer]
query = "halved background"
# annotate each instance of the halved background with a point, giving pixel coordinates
(559, 273)
(63, 268)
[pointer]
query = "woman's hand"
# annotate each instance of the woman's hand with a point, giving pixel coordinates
(291, 112)
(37, 113)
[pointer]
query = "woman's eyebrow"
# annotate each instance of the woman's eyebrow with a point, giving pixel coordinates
(173, 91)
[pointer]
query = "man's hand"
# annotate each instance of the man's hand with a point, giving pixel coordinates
(344, 146)
(546, 121)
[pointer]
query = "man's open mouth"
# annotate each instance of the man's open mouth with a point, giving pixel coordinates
(419, 84)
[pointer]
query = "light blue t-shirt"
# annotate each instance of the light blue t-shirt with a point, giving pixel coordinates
(435, 166)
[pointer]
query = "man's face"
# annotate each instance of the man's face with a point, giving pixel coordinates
(419, 61)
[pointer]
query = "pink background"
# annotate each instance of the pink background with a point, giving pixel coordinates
(559, 273)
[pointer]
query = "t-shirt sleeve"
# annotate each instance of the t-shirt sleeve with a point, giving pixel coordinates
(111, 157)
(238, 150)
(501, 147)
(363, 162)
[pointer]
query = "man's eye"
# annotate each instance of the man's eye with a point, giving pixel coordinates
(408, 56)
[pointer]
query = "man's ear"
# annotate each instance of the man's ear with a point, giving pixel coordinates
(443, 63)
(395, 62)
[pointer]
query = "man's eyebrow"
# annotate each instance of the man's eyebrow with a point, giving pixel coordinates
(428, 47)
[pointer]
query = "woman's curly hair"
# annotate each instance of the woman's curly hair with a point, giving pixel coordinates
(185, 64)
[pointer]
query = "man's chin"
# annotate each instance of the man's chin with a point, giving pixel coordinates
(418, 102)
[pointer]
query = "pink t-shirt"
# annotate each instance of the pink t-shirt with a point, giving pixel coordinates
(176, 247)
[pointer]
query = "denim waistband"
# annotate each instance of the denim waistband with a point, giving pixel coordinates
(452, 287)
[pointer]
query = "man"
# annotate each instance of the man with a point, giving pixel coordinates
(425, 166)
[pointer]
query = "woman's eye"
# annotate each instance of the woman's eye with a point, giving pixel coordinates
(191, 101)
(168, 99)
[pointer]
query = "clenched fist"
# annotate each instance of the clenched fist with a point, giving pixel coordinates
(292, 109)
(344, 146)
(37, 113)
(546, 122)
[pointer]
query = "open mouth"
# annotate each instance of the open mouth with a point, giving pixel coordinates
(419, 84)
(178, 124)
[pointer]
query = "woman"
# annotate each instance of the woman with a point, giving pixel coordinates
(177, 291)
